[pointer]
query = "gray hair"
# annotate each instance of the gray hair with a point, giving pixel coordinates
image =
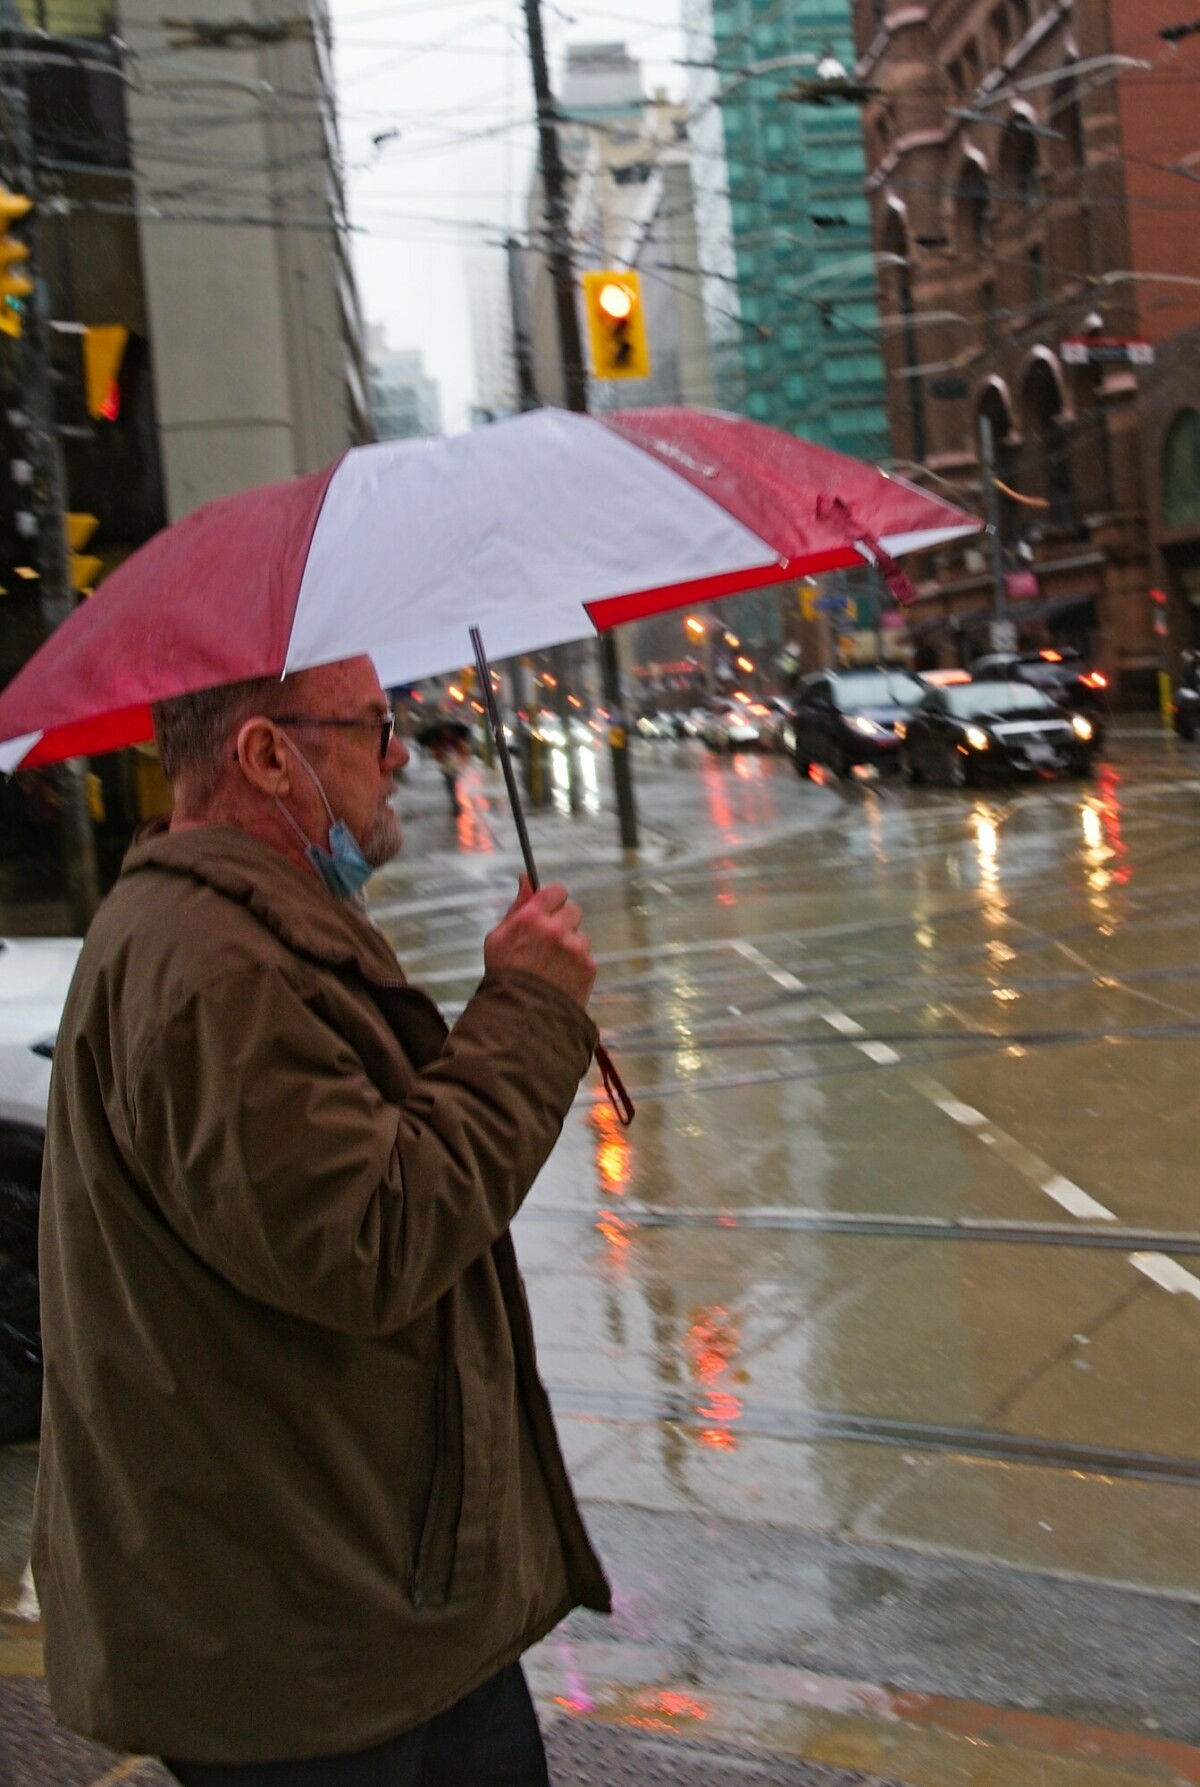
(194, 732)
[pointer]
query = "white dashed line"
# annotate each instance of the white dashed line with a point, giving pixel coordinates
(1075, 1200)
(1167, 1273)
(966, 1114)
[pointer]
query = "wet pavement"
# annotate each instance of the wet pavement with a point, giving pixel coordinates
(874, 1341)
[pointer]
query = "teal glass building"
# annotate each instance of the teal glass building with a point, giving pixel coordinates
(783, 223)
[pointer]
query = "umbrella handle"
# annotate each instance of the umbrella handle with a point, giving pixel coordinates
(621, 1102)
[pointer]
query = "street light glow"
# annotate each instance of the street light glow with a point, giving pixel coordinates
(745, 664)
(695, 626)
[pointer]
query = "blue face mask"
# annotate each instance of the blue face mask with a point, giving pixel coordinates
(342, 867)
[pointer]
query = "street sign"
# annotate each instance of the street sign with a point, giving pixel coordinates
(1106, 350)
(1020, 585)
(1002, 635)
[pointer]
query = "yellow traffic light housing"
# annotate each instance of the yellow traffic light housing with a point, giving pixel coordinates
(616, 324)
(15, 284)
(103, 351)
(82, 567)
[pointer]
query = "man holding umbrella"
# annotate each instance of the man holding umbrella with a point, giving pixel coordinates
(301, 1504)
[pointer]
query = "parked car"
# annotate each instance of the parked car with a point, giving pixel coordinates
(34, 977)
(1185, 702)
(845, 717)
(1065, 675)
(966, 731)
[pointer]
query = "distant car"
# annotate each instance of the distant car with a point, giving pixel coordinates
(655, 726)
(1065, 675)
(730, 727)
(34, 977)
(847, 717)
(967, 731)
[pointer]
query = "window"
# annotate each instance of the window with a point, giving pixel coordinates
(1181, 472)
(1038, 291)
(991, 319)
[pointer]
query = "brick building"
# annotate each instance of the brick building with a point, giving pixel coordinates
(1028, 172)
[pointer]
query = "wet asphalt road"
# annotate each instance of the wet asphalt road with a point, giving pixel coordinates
(874, 1342)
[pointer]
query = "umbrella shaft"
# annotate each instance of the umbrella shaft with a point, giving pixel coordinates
(510, 780)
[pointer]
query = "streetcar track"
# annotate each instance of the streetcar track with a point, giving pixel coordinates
(883, 1226)
(773, 1421)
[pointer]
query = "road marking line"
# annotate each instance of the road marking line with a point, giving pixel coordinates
(1075, 1200)
(840, 1021)
(880, 1052)
(1167, 1273)
(780, 976)
(959, 1112)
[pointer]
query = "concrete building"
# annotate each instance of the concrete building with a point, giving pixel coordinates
(489, 305)
(631, 205)
(1055, 211)
(405, 401)
(783, 224)
(251, 311)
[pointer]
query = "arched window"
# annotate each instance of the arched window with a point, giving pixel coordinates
(1181, 472)
(973, 206)
(1045, 461)
(900, 304)
(993, 407)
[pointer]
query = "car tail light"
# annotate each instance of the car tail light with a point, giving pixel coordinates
(1094, 680)
(1051, 657)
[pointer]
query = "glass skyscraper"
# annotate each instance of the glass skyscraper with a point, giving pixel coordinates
(783, 223)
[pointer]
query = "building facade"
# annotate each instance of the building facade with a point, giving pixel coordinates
(405, 401)
(1031, 220)
(784, 228)
(188, 208)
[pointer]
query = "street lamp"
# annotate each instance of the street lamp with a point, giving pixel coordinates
(695, 626)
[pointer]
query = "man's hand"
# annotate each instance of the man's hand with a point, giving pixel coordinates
(540, 934)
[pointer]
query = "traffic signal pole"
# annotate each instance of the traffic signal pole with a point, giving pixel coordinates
(48, 501)
(570, 345)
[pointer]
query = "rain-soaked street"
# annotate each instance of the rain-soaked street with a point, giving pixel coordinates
(874, 1341)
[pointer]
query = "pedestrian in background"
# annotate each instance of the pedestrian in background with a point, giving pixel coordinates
(301, 1506)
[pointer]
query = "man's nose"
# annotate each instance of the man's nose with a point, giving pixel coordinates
(398, 753)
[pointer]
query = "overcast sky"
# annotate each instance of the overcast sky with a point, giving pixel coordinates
(451, 77)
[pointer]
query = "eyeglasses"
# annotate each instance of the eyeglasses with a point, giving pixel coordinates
(386, 724)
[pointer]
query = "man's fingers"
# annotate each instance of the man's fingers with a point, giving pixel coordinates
(524, 893)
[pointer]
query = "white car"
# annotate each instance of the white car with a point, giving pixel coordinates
(730, 728)
(34, 977)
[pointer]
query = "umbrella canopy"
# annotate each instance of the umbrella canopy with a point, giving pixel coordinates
(535, 530)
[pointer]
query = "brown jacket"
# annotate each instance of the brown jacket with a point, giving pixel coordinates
(300, 1488)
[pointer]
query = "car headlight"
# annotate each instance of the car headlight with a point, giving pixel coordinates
(1081, 728)
(861, 724)
(977, 738)
(901, 729)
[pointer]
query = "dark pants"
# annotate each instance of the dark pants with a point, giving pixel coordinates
(490, 1738)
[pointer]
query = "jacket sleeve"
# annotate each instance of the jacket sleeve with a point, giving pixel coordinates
(276, 1159)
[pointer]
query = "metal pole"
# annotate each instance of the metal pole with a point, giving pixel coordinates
(570, 347)
(49, 498)
(510, 781)
(991, 497)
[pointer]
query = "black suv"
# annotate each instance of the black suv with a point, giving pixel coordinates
(844, 717)
(1063, 675)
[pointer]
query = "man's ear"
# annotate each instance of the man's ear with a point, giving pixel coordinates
(262, 757)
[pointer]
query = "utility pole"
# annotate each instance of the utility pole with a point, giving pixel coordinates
(570, 347)
(1001, 626)
(36, 417)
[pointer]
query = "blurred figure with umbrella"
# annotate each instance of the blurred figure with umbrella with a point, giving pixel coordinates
(448, 743)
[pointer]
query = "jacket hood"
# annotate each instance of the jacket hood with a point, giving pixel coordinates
(292, 902)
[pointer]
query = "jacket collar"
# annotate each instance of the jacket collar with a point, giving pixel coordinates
(291, 901)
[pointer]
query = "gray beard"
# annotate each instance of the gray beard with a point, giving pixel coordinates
(382, 839)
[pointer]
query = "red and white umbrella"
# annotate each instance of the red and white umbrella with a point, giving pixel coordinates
(533, 531)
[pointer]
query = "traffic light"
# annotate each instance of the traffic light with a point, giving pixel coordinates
(16, 287)
(103, 351)
(616, 324)
(82, 567)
